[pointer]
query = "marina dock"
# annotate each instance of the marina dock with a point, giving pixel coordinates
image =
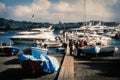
(72, 68)
(67, 67)
(85, 68)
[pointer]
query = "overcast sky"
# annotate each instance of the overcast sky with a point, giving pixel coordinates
(60, 10)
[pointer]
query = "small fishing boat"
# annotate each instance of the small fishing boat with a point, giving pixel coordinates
(53, 43)
(43, 63)
(99, 50)
(107, 50)
(90, 50)
(36, 59)
(35, 51)
(9, 50)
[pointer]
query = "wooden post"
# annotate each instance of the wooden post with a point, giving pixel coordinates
(65, 37)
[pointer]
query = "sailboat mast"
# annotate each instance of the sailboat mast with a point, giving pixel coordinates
(84, 17)
(85, 12)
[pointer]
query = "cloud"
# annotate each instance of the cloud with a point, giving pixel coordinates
(6, 12)
(63, 10)
(116, 10)
(40, 8)
(2, 9)
(2, 6)
(95, 9)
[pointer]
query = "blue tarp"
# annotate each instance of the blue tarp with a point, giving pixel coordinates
(23, 57)
(49, 63)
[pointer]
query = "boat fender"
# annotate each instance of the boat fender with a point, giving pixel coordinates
(116, 49)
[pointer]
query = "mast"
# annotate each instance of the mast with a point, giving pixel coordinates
(85, 12)
(84, 15)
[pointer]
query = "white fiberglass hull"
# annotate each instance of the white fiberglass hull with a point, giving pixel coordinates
(22, 41)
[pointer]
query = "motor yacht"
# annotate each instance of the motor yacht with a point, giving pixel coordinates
(35, 34)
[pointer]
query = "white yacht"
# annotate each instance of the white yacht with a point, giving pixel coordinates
(36, 34)
(27, 32)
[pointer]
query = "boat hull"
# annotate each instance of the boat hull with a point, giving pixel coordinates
(99, 51)
(107, 51)
(9, 50)
(90, 50)
(27, 41)
(32, 66)
(30, 41)
(36, 52)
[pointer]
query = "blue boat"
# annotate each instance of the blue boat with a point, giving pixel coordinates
(39, 59)
(43, 63)
(99, 50)
(91, 50)
(108, 51)
(9, 50)
(35, 51)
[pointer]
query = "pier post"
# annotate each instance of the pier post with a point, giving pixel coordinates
(10, 43)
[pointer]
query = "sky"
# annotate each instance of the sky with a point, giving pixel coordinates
(54, 11)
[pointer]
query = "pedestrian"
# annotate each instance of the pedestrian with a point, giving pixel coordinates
(85, 43)
(70, 46)
(81, 43)
(77, 49)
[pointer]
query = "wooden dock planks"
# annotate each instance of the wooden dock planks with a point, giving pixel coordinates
(67, 68)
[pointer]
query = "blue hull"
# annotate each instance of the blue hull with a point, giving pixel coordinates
(91, 50)
(99, 51)
(36, 52)
(9, 50)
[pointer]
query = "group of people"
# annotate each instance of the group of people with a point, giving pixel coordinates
(78, 44)
(40, 44)
(82, 43)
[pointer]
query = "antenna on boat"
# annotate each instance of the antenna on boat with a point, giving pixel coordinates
(10, 43)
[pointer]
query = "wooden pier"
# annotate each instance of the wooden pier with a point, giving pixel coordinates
(67, 67)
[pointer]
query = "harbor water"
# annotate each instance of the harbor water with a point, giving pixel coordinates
(4, 38)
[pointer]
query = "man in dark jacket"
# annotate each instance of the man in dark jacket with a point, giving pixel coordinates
(71, 45)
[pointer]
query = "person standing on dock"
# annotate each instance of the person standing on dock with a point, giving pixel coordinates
(71, 46)
(85, 42)
(81, 44)
(77, 48)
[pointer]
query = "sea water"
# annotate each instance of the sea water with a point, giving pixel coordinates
(4, 38)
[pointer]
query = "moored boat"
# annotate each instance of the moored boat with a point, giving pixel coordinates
(99, 50)
(90, 50)
(108, 51)
(9, 50)
(35, 51)
(36, 59)
(36, 34)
